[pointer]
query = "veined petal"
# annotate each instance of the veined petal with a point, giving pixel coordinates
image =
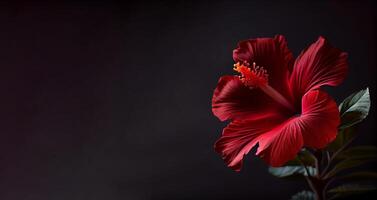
(320, 64)
(233, 100)
(282, 143)
(320, 119)
(240, 136)
(315, 127)
(273, 55)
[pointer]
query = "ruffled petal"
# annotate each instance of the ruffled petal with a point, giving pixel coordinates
(320, 118)
(315, 127)
(282, 143)
(272, 54)
(320, 64)
(233, 100)
(240, 136)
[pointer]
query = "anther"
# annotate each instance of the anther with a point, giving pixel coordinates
(253, 77)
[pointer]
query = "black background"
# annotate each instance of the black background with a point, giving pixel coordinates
(112, 101)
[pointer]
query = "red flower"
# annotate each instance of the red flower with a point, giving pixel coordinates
(280, 105)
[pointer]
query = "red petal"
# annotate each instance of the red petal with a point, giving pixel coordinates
(282, 143)
(270, 53)
(320, 64)
(320, 118)
(232, 100)
(316, 127)
(241, 135)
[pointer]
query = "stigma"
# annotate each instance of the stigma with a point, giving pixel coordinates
(252, 76)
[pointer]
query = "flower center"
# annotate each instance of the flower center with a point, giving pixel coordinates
(257, 77)
(252, 77)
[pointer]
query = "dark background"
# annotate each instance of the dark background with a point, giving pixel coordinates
(111, 101)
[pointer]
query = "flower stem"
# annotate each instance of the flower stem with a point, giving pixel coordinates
(322, 163)
(332, 157)
(316, 183)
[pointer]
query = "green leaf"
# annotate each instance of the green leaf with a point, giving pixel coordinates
(348, 189)
(359, 176)
(304, 156)
(359, 152)
(345, 164)
(352, 188)
(286, 171)
(354, 108)
(304, 195)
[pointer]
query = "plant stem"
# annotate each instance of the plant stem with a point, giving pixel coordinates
(322, 163)
(316, 183)
(332, 157)
(319, 189)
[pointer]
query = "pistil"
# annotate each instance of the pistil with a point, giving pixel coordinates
(257, 77)
(276, 96)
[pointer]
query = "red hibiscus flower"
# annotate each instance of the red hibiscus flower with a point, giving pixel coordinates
(277, 102)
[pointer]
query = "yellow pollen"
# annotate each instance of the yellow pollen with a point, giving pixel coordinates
(252, 77)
